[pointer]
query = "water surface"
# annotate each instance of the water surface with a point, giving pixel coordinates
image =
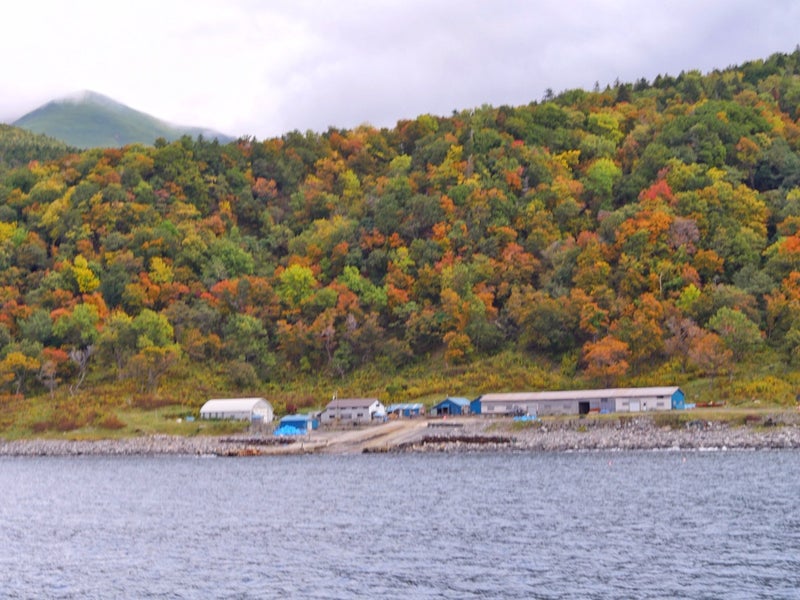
(495, 525)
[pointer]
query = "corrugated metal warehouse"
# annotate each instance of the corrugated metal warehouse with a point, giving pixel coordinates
(577, 402)
(242, 409)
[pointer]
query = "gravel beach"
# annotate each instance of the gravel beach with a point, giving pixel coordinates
(466, 434)
(118, 447)
(634, 434)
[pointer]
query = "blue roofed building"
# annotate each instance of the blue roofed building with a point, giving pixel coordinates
(451, 406)
(475, 406)
(297, 425)
(406, 410)
(308, 422)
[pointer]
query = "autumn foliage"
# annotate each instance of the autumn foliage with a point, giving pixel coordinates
(619, 229)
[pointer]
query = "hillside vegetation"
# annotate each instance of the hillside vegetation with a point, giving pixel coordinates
(18, 147)
(647, 233)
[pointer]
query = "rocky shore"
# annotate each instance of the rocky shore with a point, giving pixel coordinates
(631, 434)
(138, 446)
(470, 434)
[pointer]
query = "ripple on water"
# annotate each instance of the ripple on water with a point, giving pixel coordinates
(522, 525)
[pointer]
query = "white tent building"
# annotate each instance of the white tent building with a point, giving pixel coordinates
(241, 409)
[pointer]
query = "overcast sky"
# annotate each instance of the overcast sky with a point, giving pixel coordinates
(250, 67)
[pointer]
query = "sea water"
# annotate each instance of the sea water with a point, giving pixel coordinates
(485, 525)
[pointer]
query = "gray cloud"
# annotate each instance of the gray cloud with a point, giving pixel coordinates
(250, 67)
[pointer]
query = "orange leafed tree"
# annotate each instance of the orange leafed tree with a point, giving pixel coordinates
(606, 359)
(709, 354)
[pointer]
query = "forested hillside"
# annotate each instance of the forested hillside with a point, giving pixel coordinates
(18, 147)
(632, 234)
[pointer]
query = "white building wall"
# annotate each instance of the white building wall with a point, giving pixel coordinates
(643, 404)
(572, 406)
(349, 414)
(265, 412)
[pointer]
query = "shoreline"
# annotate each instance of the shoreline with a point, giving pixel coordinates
(461, 435)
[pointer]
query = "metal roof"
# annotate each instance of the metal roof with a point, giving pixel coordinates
(405, 406)
(224, 405)
(580, 394)
(299, 417)
(352, 403)
(459, 401)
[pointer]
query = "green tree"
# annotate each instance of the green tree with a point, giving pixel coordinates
(78, 332)
(157, 350)
(545, 323)
(77, 328)
(227, 260)
(739, 333)
(118, 340)
(38, 327)
(152, 329)
(246, 340)
(601, 177)
(296, 283)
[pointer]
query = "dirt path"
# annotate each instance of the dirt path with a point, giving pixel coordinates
(408, 432)
(372, 438)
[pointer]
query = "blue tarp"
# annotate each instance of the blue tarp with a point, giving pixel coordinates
(290, 430)
(524, 418)
(301, 421)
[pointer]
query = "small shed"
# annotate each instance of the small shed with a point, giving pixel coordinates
(452, 406)
(240, 409)
(678, 400)
(475, 406)
(297, 425)
(406, 410)
(303, 422)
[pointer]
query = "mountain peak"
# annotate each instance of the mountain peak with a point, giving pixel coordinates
(88, 119)
(88, 96)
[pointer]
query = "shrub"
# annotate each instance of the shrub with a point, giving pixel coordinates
(40, 426)
(766, 390)
(151, 401)
(669, 419)
(242, 375)
(68, 422)
(110, 421)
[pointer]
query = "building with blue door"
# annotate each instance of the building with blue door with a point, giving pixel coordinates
(451, 406)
